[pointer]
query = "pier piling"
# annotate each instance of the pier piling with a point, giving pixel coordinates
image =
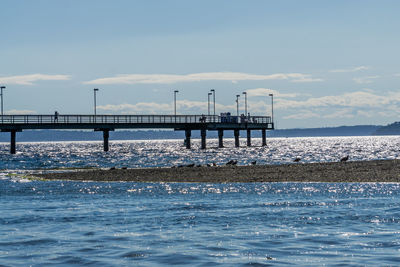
(264, 137)
(12, 145)
(106, 135)
(248, 137)
(220, 138)
(203, 133)
(188, 133)
(236, 134)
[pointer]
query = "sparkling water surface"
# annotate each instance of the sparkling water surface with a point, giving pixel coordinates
(167, 153)
(158, 224)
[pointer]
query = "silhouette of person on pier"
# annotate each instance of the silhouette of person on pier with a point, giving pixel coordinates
(56, 116)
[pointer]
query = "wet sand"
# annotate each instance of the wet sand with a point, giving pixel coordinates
(355, 171)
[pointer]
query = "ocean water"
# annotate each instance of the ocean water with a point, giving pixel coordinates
(158, 224)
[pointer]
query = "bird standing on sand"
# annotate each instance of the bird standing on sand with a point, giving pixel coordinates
(344, 159)
(296, 159)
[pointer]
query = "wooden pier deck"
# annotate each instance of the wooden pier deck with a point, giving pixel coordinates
(107, 123)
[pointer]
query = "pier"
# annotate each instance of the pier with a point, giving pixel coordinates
(109, 123)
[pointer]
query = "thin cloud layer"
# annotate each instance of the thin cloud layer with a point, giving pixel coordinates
(183, 107)
(31, 78)
(366, 103)
(20, 112)
(365, 80)
(349, 105)
(355, 69)
(198, 77)
(265, 92)
(353, 99)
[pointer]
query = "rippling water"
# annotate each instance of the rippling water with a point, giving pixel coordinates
(158, 224)
(156, 153)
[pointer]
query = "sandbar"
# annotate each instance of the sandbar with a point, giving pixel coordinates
(351, 171)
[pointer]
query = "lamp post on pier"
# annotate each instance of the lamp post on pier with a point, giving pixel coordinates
(237, 106)
(209, 103)
(94, 95)
(213, 92)
(175, 92)
(272, 107)
(245, 103)
(2, 87)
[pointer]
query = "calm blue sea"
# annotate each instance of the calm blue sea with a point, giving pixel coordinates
(158, 224)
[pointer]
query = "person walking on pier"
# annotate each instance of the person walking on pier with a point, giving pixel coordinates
(56, 116)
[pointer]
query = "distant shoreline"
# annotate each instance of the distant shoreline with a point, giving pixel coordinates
(353, 171)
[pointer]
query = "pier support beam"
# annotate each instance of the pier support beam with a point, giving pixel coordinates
(106, 135)
(248, 137)
(12, 144)
(13, 135)
(188, 133)
(220, 138)
(236, 134)
(203, 134)
(264, 137)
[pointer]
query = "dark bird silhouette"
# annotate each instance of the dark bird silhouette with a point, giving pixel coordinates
(231, 162)
(296, 159)
(190, 165)
(214, 164)
(344, 159)
(112, 168)
(253, 162)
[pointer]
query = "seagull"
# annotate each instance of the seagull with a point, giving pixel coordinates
(344, 159)
(296, 159)
(253, 162)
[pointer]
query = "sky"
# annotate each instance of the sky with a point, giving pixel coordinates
(327, 63)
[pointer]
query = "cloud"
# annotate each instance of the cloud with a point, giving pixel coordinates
(183, 107)
(341, 113)
(353, 99)
(309, 114)
(365, 80)
(350, 105)
(365, 103)
(20, 112)
(355, 69)
(303, 114)
(198, 77)
(265, 92)
(31, 78)
(359, 99)
(139, 108)
(368, 114)
(307, 80)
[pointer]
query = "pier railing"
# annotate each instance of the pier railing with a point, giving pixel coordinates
(130, 119)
